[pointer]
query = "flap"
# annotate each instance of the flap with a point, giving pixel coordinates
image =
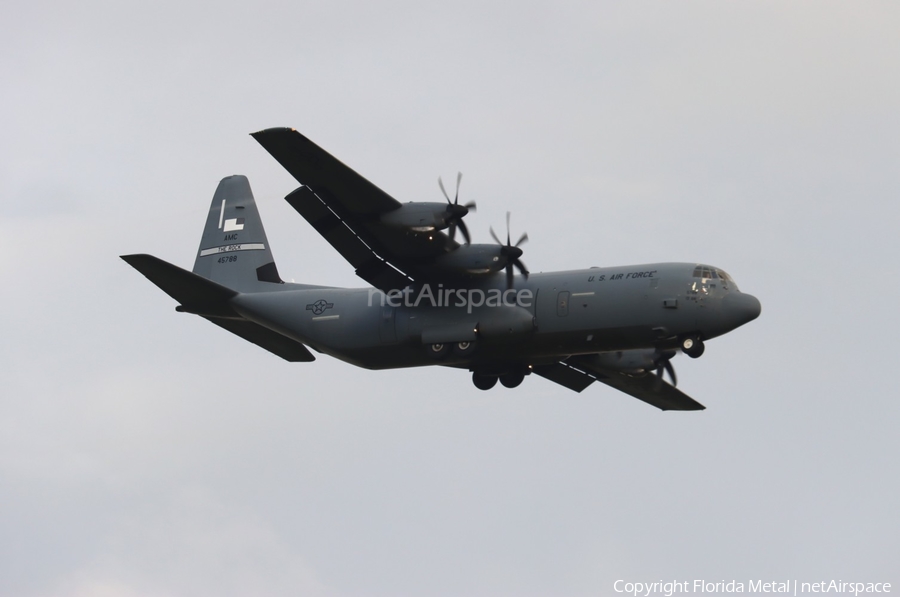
(565, 376)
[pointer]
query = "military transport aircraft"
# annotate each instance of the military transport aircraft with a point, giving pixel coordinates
(434, 301)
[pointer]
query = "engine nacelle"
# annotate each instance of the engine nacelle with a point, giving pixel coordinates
(473, 260)
(629, 361)
(419, 216)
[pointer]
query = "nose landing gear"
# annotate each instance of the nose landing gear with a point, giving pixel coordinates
(692, 346)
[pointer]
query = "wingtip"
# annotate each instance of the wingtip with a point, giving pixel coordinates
(273, 130)
(693, 408)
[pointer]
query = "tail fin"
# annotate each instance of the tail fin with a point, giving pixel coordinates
(234, 251)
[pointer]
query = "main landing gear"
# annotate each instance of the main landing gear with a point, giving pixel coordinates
(512, 379)
(464, 349)
(692, 346)
(484, 381)
(440, 351)
(509, 379)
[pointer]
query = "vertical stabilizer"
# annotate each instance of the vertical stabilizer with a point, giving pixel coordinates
(234, 251)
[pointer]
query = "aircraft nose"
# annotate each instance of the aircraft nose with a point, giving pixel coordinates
(742, 308)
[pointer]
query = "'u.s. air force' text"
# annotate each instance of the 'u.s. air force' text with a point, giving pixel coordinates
(622, 276)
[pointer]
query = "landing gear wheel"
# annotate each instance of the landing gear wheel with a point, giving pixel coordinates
(483, 381)
(463, 349)
(437, 351)
(512, 379)
(692, 347)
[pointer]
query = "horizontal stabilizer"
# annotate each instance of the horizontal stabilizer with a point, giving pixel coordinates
(286, 348)
(195, 293)
(204, 297)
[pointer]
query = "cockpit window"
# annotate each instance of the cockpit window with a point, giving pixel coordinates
(710, 273)
(702, 271)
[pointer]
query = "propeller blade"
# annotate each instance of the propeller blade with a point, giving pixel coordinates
(458, 178)
(521, 267)
(507, 229)
(451, 231)
(664, 364)
(441, 184)
(494, 235)
(465, 232)
(470, 206)
(671, 371)
(509, 276)
(522, 239)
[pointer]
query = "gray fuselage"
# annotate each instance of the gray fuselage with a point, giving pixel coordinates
(540, 320)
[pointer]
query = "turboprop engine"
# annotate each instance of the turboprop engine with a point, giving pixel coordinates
(427, 217)
(641, 360)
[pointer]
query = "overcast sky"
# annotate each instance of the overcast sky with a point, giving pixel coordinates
(145, 452)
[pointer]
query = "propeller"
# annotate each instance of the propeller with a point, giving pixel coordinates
(663, 362)
(512, 252)
(456, 212)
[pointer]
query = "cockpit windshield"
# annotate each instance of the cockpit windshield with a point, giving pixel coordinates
(711, 273)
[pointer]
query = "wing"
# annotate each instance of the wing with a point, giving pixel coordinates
(345, 209)
(577, 373)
